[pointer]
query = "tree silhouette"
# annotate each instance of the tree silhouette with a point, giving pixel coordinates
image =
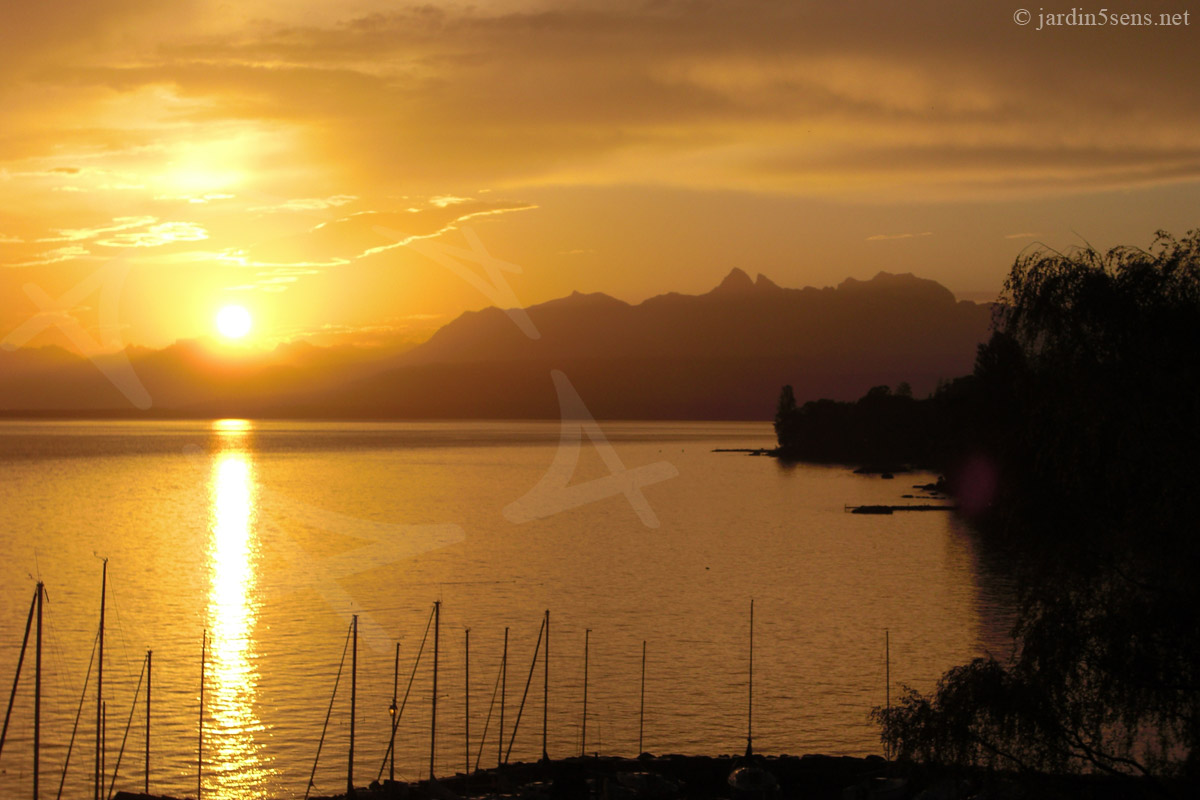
(1087, 403)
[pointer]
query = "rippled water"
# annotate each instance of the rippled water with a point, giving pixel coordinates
(271, 536)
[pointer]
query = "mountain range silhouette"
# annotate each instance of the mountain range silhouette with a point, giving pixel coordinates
(719, 355)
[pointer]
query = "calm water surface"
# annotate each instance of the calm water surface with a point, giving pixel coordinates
(271, 536)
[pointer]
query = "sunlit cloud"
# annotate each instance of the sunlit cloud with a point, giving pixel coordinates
(344, 239)
(83, 234)
(448, 200)
(400, 333)
(308, 204)
(199, 200)
(887, 237)
(58, 254)
(157, 235)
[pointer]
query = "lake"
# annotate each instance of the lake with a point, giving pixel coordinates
(271, 536)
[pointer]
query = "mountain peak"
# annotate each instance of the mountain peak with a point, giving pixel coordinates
(736, 282)
(762, 282)
(905, 284)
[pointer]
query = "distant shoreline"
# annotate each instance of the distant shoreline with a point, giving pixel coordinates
(175, 414)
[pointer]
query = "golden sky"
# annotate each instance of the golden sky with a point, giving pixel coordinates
(333, 167)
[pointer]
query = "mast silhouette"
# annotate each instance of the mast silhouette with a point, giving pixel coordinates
(100, 683)
(437, 622)
(503, 688)
(750, 697)
(353, 706)
(200, 727)
(37, 692)
(887, 682)
(642, 704)
(20, 661)
(149, 672)
(112, 783)
(546, 689)
(583, 728)
(524, 695)
(467, 705)
(392, 710)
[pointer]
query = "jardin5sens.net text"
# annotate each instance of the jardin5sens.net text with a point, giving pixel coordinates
(1104, 17)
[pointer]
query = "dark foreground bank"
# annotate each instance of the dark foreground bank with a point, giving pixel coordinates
(813, 777)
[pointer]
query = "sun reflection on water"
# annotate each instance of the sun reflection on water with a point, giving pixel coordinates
(234, 766)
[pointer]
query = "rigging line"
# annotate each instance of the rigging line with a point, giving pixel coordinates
(525, 694)
(400, 711)
(17, 678)
(325, 727)
(56, 657)
(75, 729)
(488, 721)
(112, 593)
(128, 724)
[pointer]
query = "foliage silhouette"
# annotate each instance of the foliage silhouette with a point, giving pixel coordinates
(1085, 408)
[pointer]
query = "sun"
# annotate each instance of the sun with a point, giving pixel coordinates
(233, 322)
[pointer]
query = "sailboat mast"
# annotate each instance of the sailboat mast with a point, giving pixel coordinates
(546, 689)
(642, 704)
(887, 662)
(37, 691)
(583, 728)
(503, 689)
(392, 709)
(20, 660)
(437, 623)
(200, 734)
(353, 707)
(100, 681)
(467, 703)
(149, 672)
(750, 697)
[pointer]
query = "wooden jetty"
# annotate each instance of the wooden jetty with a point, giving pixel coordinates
(886, 509)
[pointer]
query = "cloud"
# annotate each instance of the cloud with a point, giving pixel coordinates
(800, 98)
(157, 235)
(307, 204)
(1021, 236)
(887, 237)
(83, 234)
(344, 239)
(54, 256)
(195, 199)
(448, 200)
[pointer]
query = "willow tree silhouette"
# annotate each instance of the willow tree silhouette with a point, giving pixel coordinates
(1086, 407)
